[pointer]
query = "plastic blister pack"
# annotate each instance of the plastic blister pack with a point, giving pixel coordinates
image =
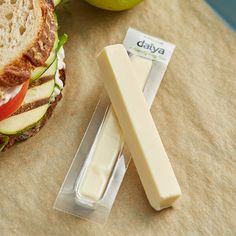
(98, 168)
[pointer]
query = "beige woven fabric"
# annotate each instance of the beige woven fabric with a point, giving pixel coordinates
(194, 112)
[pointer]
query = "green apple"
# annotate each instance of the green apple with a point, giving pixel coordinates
(114, 5)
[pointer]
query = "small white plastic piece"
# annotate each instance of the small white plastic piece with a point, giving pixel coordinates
(109, 144)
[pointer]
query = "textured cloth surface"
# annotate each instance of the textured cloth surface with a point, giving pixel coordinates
(194, 111)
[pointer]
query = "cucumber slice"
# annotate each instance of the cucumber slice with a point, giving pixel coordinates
(26, 120)
(50, 70)
(44, 90)
(39, 92)
(19, 123)
(37, 72)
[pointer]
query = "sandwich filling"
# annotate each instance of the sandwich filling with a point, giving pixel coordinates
(29, 94)
(42, 93)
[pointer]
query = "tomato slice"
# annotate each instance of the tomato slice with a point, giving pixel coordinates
(14, 103)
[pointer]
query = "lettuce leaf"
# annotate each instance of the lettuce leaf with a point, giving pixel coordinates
(3, 141)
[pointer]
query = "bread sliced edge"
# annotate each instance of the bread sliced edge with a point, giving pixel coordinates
(19, 70)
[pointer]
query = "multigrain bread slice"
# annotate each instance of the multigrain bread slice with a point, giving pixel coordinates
(34, 130)
(27, 34)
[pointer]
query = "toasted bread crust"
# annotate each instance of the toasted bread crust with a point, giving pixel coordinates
(30, 133)
(20, 70)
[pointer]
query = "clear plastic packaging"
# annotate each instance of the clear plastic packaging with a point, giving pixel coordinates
(98, 168)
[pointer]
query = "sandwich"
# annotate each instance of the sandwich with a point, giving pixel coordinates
(32, 68)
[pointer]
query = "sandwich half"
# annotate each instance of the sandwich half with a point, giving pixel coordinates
(32, 68)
